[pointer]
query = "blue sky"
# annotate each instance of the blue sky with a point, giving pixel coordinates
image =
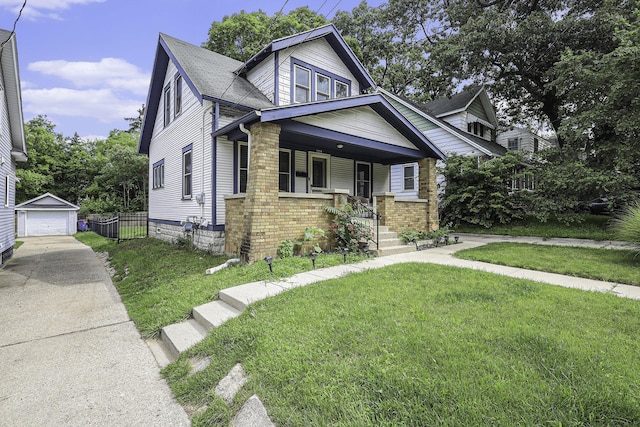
(86, 64)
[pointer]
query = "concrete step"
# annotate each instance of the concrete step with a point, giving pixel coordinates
(160, 352)
(394, 250)
(181, 336)
(214, 314)
(388, 235)
(387, 243)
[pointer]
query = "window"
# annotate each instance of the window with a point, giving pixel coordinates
(177, 108)
(158, 174)
(342, 89)
(476, 128)
(513, 144)
(187, 166)
(243, 167)
(302, 84)
(284, 171)
(6, 191)
(536, 145)
(323, 87)
(409, 178)
(314, 84)
(363, 180)
(167, 105)
(319, 170)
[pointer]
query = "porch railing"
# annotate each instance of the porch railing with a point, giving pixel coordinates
(363, 210)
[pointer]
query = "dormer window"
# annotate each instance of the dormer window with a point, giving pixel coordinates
(302, 84)
(476, 128)
(310, 83)
(323, 87)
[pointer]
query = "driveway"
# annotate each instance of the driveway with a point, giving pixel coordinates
(69, 354)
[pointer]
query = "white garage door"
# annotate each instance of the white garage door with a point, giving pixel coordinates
(47, 223)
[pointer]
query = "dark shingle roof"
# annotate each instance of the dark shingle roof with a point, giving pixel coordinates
(456, 102)
(213, 74)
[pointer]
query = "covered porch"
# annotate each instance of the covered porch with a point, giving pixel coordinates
(301, 158)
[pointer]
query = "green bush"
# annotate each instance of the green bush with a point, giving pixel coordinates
(286, 249)
(628, 226)
(347, 228)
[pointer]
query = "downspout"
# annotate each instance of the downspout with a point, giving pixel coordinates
(248, 133)
(202, 203)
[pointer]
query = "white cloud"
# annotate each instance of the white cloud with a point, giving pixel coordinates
(100, 104)
(43, 8)
(113, 73)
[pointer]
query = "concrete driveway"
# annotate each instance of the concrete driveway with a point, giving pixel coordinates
(69, 354)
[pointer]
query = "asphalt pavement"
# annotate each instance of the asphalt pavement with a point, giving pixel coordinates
(69, 354)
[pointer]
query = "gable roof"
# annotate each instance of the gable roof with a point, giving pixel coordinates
(376, 101)
(330, 33)
(208, 74)
(487, 147)
(460, 102)
(13, 94)
(47, 201)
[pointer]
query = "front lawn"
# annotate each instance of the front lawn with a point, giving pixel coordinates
(612, 265)
(594, 227)
(417, 344)
(160, 282)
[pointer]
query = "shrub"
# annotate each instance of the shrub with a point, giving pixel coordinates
(347, 227)
(628, 226)
(311, 235)
(286, 249)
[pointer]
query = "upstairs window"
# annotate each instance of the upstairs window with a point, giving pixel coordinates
(323, 87)
(536, 145)
(302, 84)
(167, 105)
(187, 166)
(409, 184)
(513, 144)
(177, 109)
(476, 128)
(310, 83)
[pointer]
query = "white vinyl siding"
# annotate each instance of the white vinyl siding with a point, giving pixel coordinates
(318, 53)
(458, 120)
(381, 178)
(362, 122)
(526, 140)
(477, 109)
(301, 166)
(167, 143)
(224, 177)
(262, 76)
(397, 180)
(342, 174)
(7, 179)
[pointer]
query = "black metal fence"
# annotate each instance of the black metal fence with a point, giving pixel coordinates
(123, 226)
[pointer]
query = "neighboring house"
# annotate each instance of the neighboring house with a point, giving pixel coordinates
(12, 140)
(245, 155)
(524, 140)
(47, 215)
(464, 124)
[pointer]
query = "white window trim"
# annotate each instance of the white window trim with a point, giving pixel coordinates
(240, 168)
(370, 166)
(167, 105)
(185, 174)
(327, 157)
(327, 94)
(404, 177)
(335, 88)
(296, 84)
(177, 95)
(7, 193)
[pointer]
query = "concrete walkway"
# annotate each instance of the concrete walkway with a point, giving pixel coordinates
(69, 354)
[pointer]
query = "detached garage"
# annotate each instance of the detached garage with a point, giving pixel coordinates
(46, 215)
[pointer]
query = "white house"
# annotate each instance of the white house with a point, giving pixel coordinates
(12, 140)
(245, 155)
(519, 138)
(464, 124)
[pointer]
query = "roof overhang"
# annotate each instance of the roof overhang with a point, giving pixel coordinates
(326, 139)
(60, 204)
(11, 75)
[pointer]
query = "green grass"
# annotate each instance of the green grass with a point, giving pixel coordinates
(160, 282)
(595, 227)
(621, 266)
(425, 345)
(17, 244)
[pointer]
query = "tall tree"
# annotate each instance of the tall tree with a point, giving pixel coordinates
(242, 35)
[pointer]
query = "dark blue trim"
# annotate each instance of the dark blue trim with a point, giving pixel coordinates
(292, 160)
(314, 71)
(227, 103)
(276, 78)
(158, 163)
(333, 37)
(236, 168)
(214, 162)
(177, 78)
(306, 167)
(246, 119)
(166, 89)
(210, 227)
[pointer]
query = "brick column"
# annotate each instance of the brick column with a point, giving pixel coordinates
(428, 188)
(384, 207)
(261, 202)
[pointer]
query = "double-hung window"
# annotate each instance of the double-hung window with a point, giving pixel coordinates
(302, 86)
(158, 174)
(342, 89)
(284, 171)
(513, 144)
(177, 108)
(187, 168)
(323, 87)
(243, 167)
(409, 178)
(167, 105)
(7, 193)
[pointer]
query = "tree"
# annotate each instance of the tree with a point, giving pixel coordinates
(242, 35)
(135, 123)
(515, 47)
(394, 51)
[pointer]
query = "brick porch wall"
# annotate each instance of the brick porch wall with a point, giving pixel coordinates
(402, 214)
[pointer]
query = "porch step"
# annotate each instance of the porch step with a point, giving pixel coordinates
(214, 314)
(180, 336)
(389, 242)
(394, 250)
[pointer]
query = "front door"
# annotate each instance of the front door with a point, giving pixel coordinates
(319, 171)
(363, 180)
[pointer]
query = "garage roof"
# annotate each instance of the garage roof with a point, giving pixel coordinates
(47, 201)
